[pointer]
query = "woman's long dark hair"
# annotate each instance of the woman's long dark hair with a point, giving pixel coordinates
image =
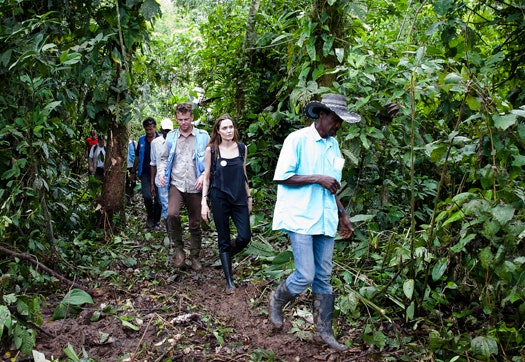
(215, 138)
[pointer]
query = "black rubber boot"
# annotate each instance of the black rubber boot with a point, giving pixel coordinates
(278, 298)
(323, 310)
(226, 262)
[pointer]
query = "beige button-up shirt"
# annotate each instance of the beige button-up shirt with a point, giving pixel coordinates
(183, 172)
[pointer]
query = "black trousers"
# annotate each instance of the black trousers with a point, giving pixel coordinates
(224, 211)
(153, 206)
(130, 185)
(99, 173)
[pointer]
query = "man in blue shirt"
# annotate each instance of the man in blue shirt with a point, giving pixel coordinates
(141, 167)
(308, 175)
(130, 185)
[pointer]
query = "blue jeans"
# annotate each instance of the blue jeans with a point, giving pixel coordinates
(313, 263)
(163, 191)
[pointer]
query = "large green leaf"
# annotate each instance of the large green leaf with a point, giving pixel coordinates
(505, 121)
(5, 319)
(408, 288)
(439, 269)
(69, 351)
(327, 45)
(24, 338)
(149, 9)
(71, 303)
(485, 346)
(77, 297)
(361, 218)
(310, 48)
(453, 78)
(442, 6)
(503, 214)
(284, 257)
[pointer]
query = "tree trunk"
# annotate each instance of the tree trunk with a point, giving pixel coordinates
(247, 46)
(113, 199)
(250, 25)
(336, 21)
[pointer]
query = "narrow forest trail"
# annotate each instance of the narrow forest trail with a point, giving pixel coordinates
(153, 312)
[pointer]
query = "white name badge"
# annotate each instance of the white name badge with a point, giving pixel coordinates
(339, 162)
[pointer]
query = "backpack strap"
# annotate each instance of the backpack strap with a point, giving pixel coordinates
(242, 149)
(214, 157)
(242, 152)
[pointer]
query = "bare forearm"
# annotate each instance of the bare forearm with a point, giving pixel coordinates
(153, 174)
(300, 180)
(329, 183)
(205, 186)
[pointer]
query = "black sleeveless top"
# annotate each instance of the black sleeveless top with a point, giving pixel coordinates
(228, 178)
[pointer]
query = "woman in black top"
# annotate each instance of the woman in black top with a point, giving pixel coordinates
(226, 185)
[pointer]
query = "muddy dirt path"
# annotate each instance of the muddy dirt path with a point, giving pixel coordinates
(181, 315)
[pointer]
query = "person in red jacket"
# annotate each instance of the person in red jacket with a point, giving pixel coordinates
(91, 141)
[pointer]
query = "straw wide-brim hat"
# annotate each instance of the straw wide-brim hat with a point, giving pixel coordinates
(331, 102)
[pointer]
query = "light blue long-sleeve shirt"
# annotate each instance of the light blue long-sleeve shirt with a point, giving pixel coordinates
(308, 209)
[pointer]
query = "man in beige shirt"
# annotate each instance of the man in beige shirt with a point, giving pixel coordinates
(182, 164)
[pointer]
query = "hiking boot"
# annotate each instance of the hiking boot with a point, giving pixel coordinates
(195, 250)
(323, 311)
(278, 298)
(179, 258)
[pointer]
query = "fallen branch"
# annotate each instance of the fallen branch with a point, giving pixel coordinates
(33, 260)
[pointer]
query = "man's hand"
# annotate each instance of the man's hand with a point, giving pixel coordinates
(329, 183)
(345, 226)
(198, 183)
(153, 190)
(162, 180)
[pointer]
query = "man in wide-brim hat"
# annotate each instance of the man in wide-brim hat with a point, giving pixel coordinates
(308, 176)
(332, 102)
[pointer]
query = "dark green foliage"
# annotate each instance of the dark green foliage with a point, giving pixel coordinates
(17, 314)
(453, 132)
(58, 68)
